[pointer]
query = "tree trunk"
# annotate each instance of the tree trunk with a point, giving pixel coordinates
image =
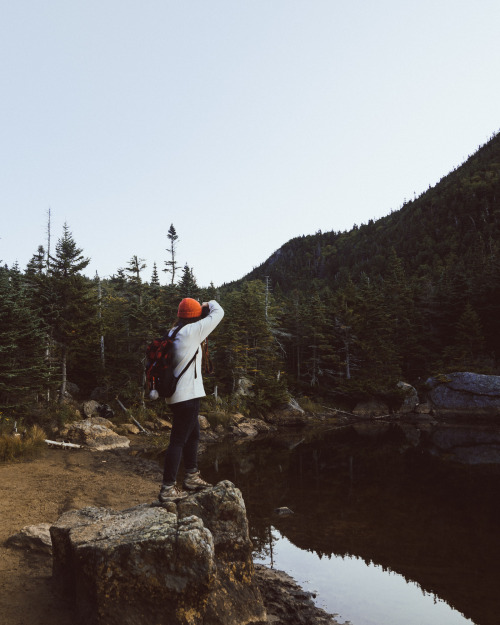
(347, 361)
(64, 357)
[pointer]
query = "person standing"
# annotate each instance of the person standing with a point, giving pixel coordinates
(196, 322)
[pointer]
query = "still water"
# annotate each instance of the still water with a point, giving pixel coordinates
(382, 532)
(365, 593)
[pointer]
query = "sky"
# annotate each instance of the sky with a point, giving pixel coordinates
(244, 123)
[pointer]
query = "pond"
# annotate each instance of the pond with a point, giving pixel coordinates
(381, 531)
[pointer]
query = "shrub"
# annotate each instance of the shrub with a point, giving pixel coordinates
(307, 404)
(21, 445)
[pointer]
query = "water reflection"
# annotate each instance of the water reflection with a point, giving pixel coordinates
(374, 498)
(364, 594)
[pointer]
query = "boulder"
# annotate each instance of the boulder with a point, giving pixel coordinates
(236, 418)
(249, 427)
(91, 408)
(207, 436)
(128, 428)
(102, 421)
(32, 538)
(286, 602)
(235, 598)
(93, 433)
(465, 395)
(188, 563)
(410, 401)
(244, 429)
(204, 423)
(371, 408)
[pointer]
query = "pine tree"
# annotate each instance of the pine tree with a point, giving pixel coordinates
(37, 264)
(171, 264)
(467, 349)
(23, 369)
(188, 286)
(247, 350)
(135, 266)
(154, 276)
(73, 314)
(346, 324)
(209, 293)
(155, 282)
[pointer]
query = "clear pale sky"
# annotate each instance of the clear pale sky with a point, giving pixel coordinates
(242, 122)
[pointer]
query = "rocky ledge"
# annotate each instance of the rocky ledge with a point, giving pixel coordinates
(186, 563)
(286, 602)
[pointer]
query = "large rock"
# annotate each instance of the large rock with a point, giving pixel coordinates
(410, 400)
(32, 538)
(287, 603)
(204, 422)
(91, 408)
(466, 395)
(188, 564)
(96, 433)
(249, 428)
(235, 597)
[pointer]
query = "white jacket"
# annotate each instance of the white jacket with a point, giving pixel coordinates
(187, 341)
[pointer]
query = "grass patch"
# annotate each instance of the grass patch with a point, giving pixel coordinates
(217, 417)
(220, 411)
(307, 404)
(22, 445)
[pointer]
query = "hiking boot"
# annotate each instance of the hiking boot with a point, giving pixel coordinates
(170, 493)
(193, 481)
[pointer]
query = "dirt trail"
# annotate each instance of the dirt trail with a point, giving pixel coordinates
(39, 491)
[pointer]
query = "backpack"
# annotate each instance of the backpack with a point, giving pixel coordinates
(160, 366)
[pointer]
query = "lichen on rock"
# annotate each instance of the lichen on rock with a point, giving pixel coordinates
(188, 564)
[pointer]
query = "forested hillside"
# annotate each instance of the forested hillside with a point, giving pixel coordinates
(415, 292)
(330, 315)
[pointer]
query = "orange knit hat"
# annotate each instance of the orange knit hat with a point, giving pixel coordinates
(189, 308)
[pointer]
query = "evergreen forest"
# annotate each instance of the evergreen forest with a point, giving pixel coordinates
(334, 316)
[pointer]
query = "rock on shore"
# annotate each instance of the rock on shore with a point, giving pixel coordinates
(188, 564)
(463, 394)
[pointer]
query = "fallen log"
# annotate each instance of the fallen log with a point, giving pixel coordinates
(143, 430)
(62, 444)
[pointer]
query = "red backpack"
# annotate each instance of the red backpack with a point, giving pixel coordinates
(160, 365)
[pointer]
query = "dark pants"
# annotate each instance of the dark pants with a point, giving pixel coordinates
(184, 439)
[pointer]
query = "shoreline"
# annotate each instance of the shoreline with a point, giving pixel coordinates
(39, 490)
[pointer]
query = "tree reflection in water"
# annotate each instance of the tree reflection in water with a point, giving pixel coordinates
(370, 495)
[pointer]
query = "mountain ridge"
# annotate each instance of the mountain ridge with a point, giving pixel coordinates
(323, 254)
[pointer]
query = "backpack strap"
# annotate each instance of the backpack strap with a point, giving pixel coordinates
(188, 365)
(172, 337)
(174, 333)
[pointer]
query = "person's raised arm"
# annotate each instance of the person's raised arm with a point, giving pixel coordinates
(210, 319)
